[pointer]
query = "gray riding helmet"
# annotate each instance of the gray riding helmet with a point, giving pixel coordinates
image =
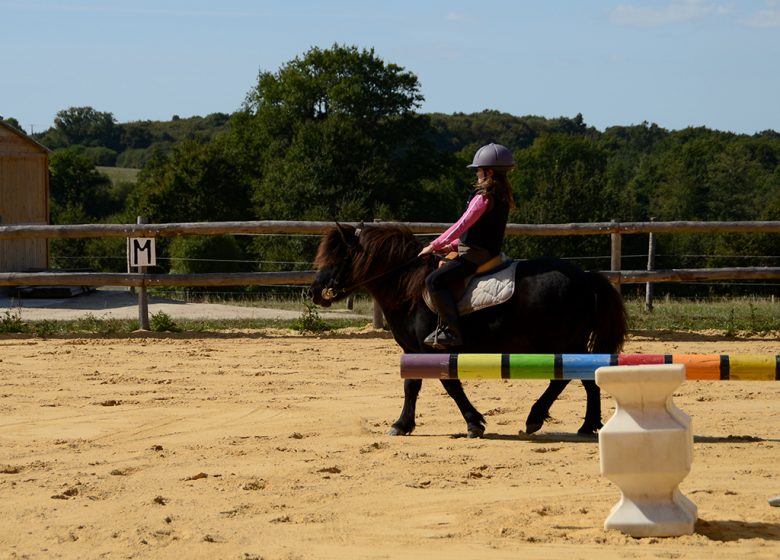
(493, 155)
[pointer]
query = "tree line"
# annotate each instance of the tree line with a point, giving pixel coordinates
(337, 134)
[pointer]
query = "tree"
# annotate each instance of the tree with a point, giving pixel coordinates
(560, 179)
(85, 126)
(334, 135)
(195, 182)
(78, 192)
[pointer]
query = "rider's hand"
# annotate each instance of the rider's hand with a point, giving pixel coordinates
(427, 250)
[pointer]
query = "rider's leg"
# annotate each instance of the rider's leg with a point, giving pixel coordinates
(440, 285)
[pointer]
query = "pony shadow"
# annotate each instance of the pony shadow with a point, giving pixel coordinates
(548, 437)
(563, 437)
(731, 530)
(731, 439)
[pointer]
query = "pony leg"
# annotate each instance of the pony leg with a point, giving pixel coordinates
(475, 422)
(592, 423)
(540, 411)
(405, 423)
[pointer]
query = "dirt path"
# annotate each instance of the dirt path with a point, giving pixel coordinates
(272, 445)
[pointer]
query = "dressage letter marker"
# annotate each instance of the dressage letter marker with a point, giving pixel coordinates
(713, 367)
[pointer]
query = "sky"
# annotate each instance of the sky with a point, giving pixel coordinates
(674, 63)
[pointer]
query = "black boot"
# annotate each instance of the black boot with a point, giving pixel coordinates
(449, 335)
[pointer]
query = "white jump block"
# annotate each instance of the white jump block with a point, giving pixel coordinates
(646, 449)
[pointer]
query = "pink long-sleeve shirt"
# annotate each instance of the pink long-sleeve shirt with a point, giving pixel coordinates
(478, 205)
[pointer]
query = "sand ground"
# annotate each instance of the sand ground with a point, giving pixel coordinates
(272, 445)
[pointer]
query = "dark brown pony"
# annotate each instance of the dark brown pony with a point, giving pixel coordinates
(557, 308)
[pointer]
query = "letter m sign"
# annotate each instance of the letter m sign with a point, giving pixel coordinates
(141, 251)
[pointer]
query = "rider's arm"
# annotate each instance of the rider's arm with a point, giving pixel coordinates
(477, 207)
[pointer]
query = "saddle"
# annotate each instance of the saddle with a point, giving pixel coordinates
(492, 284)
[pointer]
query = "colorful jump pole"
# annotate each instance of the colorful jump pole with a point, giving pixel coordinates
(712, 367)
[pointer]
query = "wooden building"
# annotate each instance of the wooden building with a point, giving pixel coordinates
(24, 198)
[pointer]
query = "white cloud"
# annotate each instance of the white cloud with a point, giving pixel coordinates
(766, 18)
(675, 12)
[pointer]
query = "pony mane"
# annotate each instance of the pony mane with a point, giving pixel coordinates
(383, 248)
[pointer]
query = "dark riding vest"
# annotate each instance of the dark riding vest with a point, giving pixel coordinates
(487, 233)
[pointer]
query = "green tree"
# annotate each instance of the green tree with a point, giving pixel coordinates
(195, 182)
(77, 190)
(560, 179)
(85, 126)
(334, 135)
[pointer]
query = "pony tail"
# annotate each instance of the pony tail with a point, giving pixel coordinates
(611, 322)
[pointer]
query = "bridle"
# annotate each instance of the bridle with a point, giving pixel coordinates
(329, 294)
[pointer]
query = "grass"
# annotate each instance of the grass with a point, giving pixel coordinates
(120, 174)
(729, 316)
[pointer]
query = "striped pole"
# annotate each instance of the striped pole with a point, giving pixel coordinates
(712, 367)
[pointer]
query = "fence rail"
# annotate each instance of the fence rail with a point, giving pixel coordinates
(291, 227)
(614, 229)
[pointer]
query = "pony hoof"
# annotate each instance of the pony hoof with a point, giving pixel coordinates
(590, 429)
(475, 433)
(395, 431)
(533, 428)
(587, 432)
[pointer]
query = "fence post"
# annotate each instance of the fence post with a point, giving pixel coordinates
(616, 250)
(379, 318)
(143, 301)
(650, 266)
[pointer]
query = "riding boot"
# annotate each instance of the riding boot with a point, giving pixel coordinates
(450, 334)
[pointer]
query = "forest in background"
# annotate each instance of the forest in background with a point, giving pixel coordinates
(336, 134)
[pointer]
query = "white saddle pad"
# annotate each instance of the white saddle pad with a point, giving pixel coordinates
(484, 291)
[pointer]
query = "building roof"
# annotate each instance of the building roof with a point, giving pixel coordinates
(7, 126)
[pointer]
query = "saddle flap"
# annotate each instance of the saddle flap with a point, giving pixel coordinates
(484, 290)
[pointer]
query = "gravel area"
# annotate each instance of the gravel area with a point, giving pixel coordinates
(122, 304)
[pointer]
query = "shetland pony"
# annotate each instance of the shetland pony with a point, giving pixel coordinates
(556, 308)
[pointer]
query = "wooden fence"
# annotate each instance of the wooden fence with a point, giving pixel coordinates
(143, 279)
(615, 229)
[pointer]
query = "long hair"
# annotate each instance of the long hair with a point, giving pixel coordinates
(498, 185)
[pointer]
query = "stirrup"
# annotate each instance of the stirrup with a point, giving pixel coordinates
(442, 338)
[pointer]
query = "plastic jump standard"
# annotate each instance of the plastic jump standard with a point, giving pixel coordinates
(646, 448)
(737, 367)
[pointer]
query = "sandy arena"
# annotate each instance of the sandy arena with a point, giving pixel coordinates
(272, 445)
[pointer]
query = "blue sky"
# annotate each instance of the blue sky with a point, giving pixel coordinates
(676, 63)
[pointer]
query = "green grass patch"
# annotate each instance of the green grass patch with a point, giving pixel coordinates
(102, 326)
(120, 174)
(728, 316)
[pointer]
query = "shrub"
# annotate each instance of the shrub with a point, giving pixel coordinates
(162, 322)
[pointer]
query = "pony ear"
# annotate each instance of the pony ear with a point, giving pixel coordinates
(347, 235)
(342, 232)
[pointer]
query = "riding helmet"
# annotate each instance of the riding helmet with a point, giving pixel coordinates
(493, 155)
